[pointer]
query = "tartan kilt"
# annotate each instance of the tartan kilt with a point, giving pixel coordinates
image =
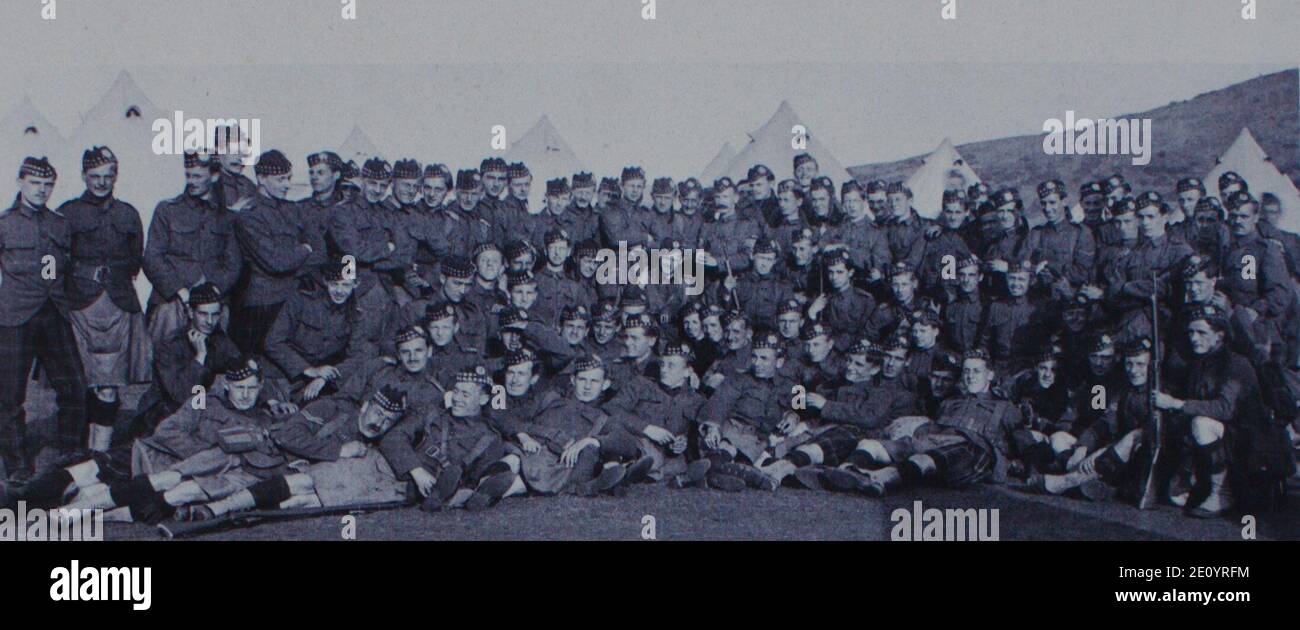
(544, 472)
(114, 346)
(745, 438)
(666, 464)
(962, 461)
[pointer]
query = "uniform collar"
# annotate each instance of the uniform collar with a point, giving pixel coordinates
(90, 198)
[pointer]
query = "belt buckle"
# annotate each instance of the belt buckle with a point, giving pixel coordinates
(100, 270)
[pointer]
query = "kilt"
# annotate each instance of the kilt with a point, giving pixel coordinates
(544, 473)
(49, 336)
(115, 349)
(744, 438)
(666, 463)
(961, 460)
(838, 442)
(367, 479)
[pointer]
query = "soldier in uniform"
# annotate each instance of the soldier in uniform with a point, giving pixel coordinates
(449, 455)
(905, 229)
(689, 222)
(107, 247)
(1256, 280)
(965, 317)
(410, 232)
(661, 411)
(184, 461)
(845, 308)
(191, 241)
(736, 351)
(607, 195)
(495, 175)
(624, 220)
(464, 223)
(823, 216)
(854, 408)
(233, 189)
(1217, 396)
(747, 415)
(1093, 204)
(789, 323)
(1151, 268)
(34, 315)
(890, 314)
(1016, 326)
(333, 460)
(868, 248)
(325, 173)
(730, 238)
(319, 339)
(451, 351)
(762, 200)
(605, 322)
(805, 169)
(582, 211)
(938, 276)
(457, 278)
(790, 222)
(364, 230)
(1106, 456)
(1067, 248)
(1182, 222)
(582, 447)
(818, 363)
(555, 290)
(189, 358)
(276, 242)
(759, 290)
(663, 195)
(409, 373)
(967, 443)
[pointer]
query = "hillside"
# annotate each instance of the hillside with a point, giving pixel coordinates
(1187, 138)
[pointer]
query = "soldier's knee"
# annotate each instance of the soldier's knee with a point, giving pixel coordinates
(1126, 444)
(1062, 441)
(1206, 430)
(813, 452)
(300, 483)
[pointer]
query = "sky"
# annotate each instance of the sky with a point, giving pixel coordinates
(877, 80)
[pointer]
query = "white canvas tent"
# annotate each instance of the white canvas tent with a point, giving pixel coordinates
(1247, 159)
(929, 182)
(718, 166)
(771, 146)
(357, 147)
(547, 156)
(123, 121)
(26, 131)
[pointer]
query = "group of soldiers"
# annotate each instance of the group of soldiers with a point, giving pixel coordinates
(407, 332)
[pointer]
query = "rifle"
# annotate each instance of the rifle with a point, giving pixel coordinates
(734, 300)
(249, 518)
(1149, 490)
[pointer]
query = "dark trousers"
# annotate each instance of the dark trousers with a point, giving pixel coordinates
(249, 326)
(48, 336)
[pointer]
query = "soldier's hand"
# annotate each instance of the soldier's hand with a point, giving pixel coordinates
(818, 305)
(693, 379)
(352, 449)
(279, 409)
(570, 455)
(313, 389)
(199, 342)
(1093, 291)
(714, 380)
(528, 443)
(658, 434)
(327, 372)
(184, 294)
(423, 480)
(817, 401)
(933, 232)
(1165, 401)
(729, 282)
(712, 438)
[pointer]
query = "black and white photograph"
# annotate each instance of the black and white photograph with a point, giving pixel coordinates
(649, 271)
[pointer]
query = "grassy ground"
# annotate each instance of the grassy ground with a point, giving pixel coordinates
(697, 514)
